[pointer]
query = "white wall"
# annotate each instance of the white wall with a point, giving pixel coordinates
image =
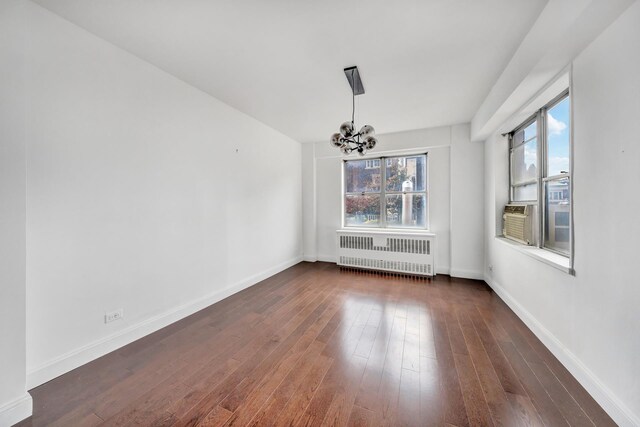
(143, 193)
(452, 160)
(309, 201)
(15, 403)
(590, 321)
(467, 205)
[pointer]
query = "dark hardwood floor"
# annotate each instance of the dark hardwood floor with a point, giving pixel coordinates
(315, 345)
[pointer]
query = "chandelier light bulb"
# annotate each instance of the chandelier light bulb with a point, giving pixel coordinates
(337, 140)
(370, 142)
(346, 129)
(366, 131)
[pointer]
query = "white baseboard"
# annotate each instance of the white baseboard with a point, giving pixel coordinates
(467, 274)
(442, 270)
(617, 410)
(16, 410)
(80, 356)
(310, 258)
(327, 258)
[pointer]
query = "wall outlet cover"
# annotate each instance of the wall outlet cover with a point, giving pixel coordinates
(113, 315)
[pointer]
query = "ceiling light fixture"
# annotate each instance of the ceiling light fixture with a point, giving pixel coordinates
(347, 140)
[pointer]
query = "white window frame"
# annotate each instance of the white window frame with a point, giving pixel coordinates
(542, 166)
(382, 222)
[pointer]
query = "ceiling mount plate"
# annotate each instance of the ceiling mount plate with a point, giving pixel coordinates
(354, 80)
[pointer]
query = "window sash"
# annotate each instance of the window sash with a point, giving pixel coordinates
(545, 215)
(361, 193)
(515, 189)
(522, 184)
(523, 157)
(523, 126)
(382, 223)
(512, 147)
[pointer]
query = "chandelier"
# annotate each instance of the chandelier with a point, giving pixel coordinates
(347, 140)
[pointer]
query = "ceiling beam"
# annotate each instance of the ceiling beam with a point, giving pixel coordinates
(563, 29)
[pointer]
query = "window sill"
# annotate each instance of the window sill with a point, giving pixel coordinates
(387, 231)
(558, 261)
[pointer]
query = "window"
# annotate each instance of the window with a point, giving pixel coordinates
(540, 153)
(524, 163)
(372, 163)
(386, 192)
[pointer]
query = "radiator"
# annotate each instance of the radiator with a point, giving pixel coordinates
(395, 251)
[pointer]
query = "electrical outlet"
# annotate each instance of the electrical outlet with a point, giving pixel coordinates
(490, 267)
(113, 315)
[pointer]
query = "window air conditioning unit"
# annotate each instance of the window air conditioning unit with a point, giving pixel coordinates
(518, 223)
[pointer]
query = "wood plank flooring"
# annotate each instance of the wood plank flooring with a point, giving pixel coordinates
(316, 345)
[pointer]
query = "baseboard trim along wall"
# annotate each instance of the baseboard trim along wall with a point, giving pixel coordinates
(467, 274)
(327, 258)
(16, 410)
(617, 410)
(443, 270)
(98, 348)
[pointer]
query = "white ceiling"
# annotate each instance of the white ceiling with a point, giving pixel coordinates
(424, 63)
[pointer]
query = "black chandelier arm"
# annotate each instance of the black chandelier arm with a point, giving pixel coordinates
(355, 139)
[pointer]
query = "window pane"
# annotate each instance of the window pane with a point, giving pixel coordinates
(558, 138)
(562, 219)
(525, 193)
(362, 210)
(525, 134)
(562, 236)
(406, 210)
(557, 215)
(524, 162)
(531, 131)
(362, 175)
(518, 138)
(406, 173)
